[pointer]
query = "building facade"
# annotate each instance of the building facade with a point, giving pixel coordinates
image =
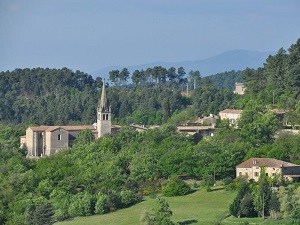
(233, 115)
(239, 88)
(252, 169)
(48, 140)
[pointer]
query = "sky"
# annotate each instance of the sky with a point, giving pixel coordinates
(88, 35)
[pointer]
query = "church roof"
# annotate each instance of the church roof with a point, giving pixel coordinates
(39, 128)
(67, 128)
(103, 105)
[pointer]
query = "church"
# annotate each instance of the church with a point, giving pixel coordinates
(48, 140)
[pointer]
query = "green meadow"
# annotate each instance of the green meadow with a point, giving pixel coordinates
(200, 207)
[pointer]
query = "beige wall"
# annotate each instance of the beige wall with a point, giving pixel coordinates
(53, 144)
(230, 116)
(255, 171)
(103, 125)
(240, 89)
(29, 142)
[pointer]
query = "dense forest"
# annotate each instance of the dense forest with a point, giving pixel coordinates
(63, 97)
(116, 171)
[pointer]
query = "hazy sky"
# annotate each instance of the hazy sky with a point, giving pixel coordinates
(88, 35)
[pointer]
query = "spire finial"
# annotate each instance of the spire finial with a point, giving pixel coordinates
(103, 107)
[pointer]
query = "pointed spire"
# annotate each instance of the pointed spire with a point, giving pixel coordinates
(103, 106)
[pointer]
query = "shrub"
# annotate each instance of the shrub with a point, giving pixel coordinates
(176, 187)
(101, 205)
(81, 204)
(227, 180)
(128, 198)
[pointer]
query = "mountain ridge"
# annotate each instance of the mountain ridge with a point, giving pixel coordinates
(226, 61)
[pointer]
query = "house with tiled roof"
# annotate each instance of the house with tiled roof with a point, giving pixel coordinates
(252, 169)
(233, 115)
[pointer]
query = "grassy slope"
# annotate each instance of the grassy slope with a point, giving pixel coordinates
(200, 207)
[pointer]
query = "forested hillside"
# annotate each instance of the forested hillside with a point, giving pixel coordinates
(116, 171)
(63, 97)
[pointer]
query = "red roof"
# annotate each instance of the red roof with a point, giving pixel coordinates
(265, 162)
(193, 128)
(39, 128)
(232, 111)
(68, 128)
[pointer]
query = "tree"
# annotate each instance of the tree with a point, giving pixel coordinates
(123, 76)
(41, 215)
(175, 187)
(195, 78)
(208, 180)
(171, 74)
(159, 215)
(262, 195)
(258, 127)
(242, 204)
(274, 206)
(136, 77)
(114, 76)
(85, 137)
(180, 75)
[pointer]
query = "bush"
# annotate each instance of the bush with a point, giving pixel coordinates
(102, 205)
(176, 187)
(128, 198)
(82, 204)
(227, 180)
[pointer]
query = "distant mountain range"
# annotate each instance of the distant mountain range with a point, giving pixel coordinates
(226, 61)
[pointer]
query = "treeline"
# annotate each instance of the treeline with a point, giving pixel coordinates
(47, 96)
(63, 97)
(277, 83)
(267, 198)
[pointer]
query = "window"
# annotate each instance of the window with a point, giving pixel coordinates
(273, 174)
(267, 174)
(59, 137)
(106, 116)
(256, 174)
(103, 117)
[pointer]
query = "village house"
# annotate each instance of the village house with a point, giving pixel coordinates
(252, 169)
(204, 131)
(233, 115)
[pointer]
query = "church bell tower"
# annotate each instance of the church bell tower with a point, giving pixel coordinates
(103, 115)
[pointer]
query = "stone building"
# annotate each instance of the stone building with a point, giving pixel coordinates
(233, 115)
(239, 88)
(47, 140)
(252, 169)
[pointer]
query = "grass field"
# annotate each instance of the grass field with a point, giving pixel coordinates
(200, 207)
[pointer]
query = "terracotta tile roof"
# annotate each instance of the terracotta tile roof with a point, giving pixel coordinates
(266, 162)
(39, 128)
(75, 128)
(193, 128)
(53, 128)
(138, 127)
(68, 128)
(232, 111)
